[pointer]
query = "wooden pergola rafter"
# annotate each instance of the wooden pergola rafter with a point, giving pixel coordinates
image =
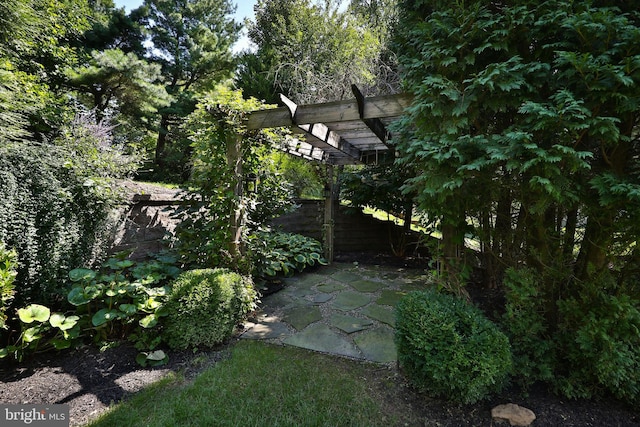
(351, 131)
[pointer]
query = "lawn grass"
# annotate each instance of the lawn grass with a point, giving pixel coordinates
(259, 385)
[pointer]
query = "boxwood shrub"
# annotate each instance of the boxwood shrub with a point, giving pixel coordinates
(448, 348)
(205, 306)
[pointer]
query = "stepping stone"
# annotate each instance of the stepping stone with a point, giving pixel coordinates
(267, 328)
(279, 299)
(377, 345)
(346, 301)
(390, 297)
(298, 292)
(367, 285)
(346, 276)
(302, 317)
(330, 287)
(321, 298)
(349, 324)
(309, 280)
(381, 314)
(320, 337)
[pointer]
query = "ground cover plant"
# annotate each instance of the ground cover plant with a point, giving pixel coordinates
(123, 301)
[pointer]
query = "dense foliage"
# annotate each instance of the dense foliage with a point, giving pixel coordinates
(524, 128)
(51, 214)
(276, 253)
(216, 198)
(448, 348)
(122, 300)
(205, 306)
(312, 52)
(8, 265)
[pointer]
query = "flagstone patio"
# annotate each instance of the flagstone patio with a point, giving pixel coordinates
(342, 309)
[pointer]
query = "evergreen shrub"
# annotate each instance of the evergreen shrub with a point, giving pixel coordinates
(599, 338)
(51, 215)
(448, 348)
(204, 307)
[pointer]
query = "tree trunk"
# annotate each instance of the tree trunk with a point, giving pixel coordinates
(161, 141)
(234, 162)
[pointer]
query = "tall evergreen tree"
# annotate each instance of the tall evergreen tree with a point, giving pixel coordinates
(525, 128)
(192, 41)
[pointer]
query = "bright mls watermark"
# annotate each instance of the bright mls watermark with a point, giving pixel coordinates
(34, 415)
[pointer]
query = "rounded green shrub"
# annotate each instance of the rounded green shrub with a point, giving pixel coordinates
(448, 348)
(205, 306)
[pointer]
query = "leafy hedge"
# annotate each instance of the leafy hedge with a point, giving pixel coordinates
(204, 307)
(51, 216)
(595, 350)
(448, 348)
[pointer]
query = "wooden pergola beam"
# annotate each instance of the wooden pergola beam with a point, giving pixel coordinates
(330, 112)
(321, 132)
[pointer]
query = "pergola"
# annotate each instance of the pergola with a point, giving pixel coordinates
(353, 131)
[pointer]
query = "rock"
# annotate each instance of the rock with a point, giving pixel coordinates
(513, 414)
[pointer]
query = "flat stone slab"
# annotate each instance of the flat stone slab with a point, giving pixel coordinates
(377, 345)
(298, 292)
(349, 324)
(380, 313)
(309, 280)
(320, 337)
(267, 328)
(367, 285)
(301, 317)
(390, 297)
(330, 287)
(346, 301)
(346, 276)
(278, 299)
(321, 298)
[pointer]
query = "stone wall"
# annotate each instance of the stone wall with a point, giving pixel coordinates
(145, 219)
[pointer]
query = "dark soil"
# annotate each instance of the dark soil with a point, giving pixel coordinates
(90, 381)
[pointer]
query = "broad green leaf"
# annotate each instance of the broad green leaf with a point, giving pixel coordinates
(63, 323)
(148, 321)
(128, 309)
(34, 312)
(103, 316)
(79, 274)
(3, 353)
(31, 334)
(156, 355)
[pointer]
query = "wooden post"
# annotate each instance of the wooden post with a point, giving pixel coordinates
(234, 161)
(329, 209)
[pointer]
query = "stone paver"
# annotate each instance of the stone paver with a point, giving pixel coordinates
(349, 300)
(390, 297)
(342, 309)
(349, 324)
(301, 317)
(377, 345)
(380, 313)
(267, 328)
(366, 285)
(320, 337)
